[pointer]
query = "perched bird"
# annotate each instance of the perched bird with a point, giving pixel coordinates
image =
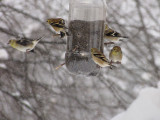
(115, 55)
(112, 35)
(58, 25)
(24, 45)
(99, 58)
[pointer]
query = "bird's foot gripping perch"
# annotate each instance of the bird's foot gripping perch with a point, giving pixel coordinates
(111, 66)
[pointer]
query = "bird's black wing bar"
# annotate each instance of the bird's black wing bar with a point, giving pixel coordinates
(57, 25)
(113, 34)
(23, 42)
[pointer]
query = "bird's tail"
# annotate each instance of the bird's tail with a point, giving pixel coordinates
(37, 40)
(125, 37)
(40, 38)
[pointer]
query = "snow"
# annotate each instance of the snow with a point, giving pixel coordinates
(2, 65)
(145, 107)
(25, 102)
(158, 84)
(53, 100)
(3, 54)
(146, 76)
(157, 59)
(16, 94)
(27, 106)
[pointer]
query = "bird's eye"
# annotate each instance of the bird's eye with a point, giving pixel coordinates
(61, 21)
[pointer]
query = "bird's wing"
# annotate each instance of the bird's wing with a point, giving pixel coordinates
(112, 33)
(24, 42)
(57, 25)
(101, 56)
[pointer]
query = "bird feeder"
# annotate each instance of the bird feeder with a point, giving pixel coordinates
(85, 29)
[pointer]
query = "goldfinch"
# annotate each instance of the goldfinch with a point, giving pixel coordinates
(58, 25)
(24, 45)
(112, 35)
(115, 55)
(99, 58)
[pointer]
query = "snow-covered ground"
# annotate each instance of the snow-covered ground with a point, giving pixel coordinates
(145, 107)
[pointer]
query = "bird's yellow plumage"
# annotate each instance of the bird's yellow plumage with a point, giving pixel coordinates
(116, 54)
(58, 25)
(112, 35)
(99, 58)
(23, 45)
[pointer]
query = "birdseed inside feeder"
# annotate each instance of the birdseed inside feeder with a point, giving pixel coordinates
(86, 28)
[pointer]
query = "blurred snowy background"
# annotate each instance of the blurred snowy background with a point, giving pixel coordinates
(31, 88)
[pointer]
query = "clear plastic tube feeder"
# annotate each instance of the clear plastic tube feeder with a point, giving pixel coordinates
(86, 28)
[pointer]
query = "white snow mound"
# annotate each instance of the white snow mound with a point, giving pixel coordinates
(145, 107)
